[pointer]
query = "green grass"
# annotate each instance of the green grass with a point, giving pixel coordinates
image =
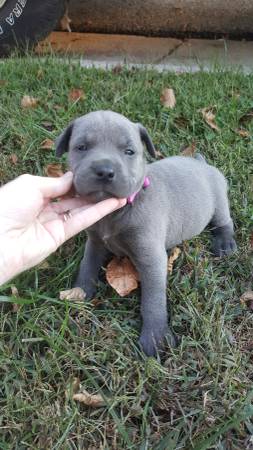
(200, 397)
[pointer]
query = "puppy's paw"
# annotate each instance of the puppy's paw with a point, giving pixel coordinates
(224, 245)
(89, 289)
(153, 340)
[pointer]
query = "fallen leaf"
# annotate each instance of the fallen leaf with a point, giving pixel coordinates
(65, 22)
(76, 94)
(44, 265)
(76, 293)
(53, 170)
(247, 299)
(168, 98)
(209, 117)
(47, 144)
(189, 150)
(122, 276)
(242, 133)
(14, 293)
(14, 158)
(47, 125)
(175, 252)
(117, 69)
(29, 102)
(3, 82)
(95, 401)
(247, 117)
(40, 74)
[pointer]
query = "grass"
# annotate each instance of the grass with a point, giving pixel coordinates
(200, 397)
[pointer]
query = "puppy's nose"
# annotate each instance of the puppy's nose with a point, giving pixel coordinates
(103, 170)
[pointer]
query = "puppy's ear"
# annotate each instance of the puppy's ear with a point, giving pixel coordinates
(62, 142)
(147, 140)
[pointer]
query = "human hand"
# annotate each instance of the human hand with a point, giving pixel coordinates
(32, 226)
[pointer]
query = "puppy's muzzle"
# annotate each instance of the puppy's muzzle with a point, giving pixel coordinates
(103, 170)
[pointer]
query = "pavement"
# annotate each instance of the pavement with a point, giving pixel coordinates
(161, 54)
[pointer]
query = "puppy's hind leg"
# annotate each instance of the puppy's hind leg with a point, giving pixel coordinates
(222, 229)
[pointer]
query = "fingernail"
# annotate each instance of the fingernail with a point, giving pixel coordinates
(68, 174)
(122, 202)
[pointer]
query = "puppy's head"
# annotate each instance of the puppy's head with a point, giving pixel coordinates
(105, 153)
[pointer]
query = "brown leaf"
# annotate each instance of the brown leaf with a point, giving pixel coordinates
(47, 125)
(247, 117)
(29, 102)
(53, 170)
(40, 74)
(242, 133)
(15, 293)
(76, 293)
(122, 276)
(247, 299)
(3, 82)
(168, 98)
(117, 69)
(209, 117)
(14, 159)
(95, 401)
(175, 252)
(65, 22)
(76, 94)
(189, 150)
(47, 144)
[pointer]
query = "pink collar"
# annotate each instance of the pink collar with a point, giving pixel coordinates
(131, 198)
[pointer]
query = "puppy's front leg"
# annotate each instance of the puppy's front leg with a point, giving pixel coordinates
(95, 255)
(152, 267)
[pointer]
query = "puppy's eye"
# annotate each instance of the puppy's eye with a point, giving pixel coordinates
(129, 152)
(82, 147)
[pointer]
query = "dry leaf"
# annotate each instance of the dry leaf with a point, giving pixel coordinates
(122, 276)
(168, 98)
(47, 125)
(65, 22)
(247, 117)
(76, 94)
(14, 158)
(209, 117)
(247, 299)
(76, 293)
(189, 150)
(29, 102)
(3, 82)
(44, 265)
(14, 293)
(47, 144)
(95, 401)
(53, 170)
(117, 69)
(175, 252)
(40, 74)
(242, 133)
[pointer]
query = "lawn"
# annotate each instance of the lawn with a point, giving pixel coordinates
(200, 396)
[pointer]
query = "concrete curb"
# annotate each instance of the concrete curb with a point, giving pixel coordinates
(159, 53)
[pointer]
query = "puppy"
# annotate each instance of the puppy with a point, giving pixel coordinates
(169, 201)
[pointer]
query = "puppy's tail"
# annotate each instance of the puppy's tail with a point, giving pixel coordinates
(200, 158)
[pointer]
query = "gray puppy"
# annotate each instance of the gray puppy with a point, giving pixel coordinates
(168, 201)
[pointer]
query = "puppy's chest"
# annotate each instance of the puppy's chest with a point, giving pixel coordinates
(111, 238)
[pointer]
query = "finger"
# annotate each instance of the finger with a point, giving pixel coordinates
(65, 205)
(54, 187)
(88, 216)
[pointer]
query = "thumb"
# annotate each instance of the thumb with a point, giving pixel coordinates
(55, 187)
